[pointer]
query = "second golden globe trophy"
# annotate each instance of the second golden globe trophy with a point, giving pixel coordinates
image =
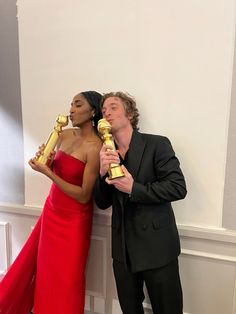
(104, 128)
(61, 121)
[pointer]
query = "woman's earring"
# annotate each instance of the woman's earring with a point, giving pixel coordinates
(93, 123)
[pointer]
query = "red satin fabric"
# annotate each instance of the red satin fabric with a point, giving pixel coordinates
(49, 272)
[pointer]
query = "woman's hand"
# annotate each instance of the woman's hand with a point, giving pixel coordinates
(37, 166)
(40, 151)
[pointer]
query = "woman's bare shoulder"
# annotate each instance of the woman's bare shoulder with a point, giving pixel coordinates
(65, 134)
(94, 145)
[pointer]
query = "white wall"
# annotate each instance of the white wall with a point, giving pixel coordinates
(174, 56)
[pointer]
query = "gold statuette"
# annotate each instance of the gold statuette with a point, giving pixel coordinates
(104, 128)
(53, 137)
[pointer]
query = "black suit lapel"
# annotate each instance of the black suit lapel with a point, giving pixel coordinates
(135, 153)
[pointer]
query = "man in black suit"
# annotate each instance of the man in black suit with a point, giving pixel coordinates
(145, 240)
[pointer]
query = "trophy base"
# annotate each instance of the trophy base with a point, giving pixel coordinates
(115, 172)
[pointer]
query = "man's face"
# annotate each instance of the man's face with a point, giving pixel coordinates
(114, 112)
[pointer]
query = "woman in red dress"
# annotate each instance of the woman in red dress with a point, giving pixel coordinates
(49, 273)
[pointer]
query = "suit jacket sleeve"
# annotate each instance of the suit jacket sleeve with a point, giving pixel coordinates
(169, 183)
(102, 193)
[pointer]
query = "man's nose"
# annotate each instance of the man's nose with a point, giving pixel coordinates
(106, 114)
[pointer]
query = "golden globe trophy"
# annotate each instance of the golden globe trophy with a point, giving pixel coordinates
(61, 121)
(104, 128)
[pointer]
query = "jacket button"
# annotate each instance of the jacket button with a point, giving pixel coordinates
(144, 227)
(155, 225)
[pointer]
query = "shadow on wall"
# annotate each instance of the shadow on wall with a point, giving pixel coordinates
(11, 136)
(11, 160)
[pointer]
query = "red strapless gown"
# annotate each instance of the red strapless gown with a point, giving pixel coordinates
(49, 272)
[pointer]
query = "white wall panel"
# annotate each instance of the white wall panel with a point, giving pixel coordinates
(207, 263)
(206, 280)
(4, 247)
(97, 267)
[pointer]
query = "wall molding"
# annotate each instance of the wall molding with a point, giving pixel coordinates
(20, 209)
(203, 254)
(6, 245)
(209, 233)
(104, 218)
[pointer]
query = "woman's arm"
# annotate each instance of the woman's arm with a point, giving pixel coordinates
(80, 193)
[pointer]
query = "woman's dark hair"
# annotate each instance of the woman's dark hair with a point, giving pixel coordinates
(94, 100)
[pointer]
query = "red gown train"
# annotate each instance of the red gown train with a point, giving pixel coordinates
(49, 272)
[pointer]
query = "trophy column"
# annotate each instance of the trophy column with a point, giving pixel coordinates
(52, 140)
(104, 128)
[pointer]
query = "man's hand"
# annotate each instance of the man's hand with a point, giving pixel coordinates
(123, 184)
(107, 156)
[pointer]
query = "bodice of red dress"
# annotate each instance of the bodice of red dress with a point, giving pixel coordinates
(55, 253)
(71, 170)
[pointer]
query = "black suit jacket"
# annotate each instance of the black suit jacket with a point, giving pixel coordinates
(144, 232)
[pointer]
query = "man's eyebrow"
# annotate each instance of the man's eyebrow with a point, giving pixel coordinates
(113, 104)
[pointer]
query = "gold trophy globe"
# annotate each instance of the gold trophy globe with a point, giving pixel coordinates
(104, 128)
(61, 121)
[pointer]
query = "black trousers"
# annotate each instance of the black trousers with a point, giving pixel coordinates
(163, 286)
